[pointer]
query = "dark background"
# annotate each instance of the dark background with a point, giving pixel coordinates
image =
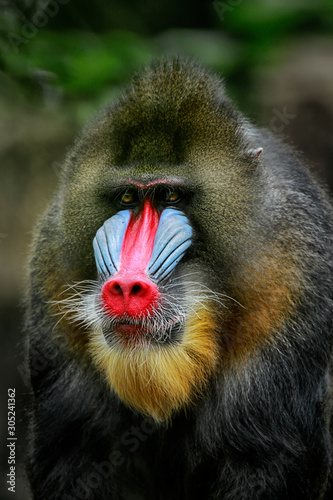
(60, 60)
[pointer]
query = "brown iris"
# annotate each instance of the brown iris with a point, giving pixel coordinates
(173, 196)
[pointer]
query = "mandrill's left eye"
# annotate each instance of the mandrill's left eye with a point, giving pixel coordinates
(173, 196)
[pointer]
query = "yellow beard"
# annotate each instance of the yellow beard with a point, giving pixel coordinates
(158, 380)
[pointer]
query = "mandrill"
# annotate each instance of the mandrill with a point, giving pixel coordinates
(180, 307)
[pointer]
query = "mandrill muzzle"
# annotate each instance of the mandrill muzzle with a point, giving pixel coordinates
(134, 253)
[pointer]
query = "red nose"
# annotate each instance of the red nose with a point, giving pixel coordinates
(131, 295)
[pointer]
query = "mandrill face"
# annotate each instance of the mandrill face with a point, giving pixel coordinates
(156, 204)
(155, 347)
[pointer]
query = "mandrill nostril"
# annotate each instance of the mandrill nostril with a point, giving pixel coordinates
(136, 289)
(115, 289)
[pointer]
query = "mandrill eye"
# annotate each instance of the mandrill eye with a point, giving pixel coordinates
(127, 198)
(173, 196)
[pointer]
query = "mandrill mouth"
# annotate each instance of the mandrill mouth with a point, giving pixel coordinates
(146, 331)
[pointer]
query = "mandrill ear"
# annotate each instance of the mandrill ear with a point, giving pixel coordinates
(255, 152)
(173, 237)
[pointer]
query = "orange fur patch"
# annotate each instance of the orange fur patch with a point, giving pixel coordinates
(269, 292)
(158, 380)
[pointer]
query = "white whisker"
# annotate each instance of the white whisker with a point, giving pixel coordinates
(180, 297)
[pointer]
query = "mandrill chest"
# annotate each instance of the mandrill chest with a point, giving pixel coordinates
(156, 348)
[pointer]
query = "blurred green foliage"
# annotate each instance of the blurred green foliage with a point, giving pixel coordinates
(41, 61)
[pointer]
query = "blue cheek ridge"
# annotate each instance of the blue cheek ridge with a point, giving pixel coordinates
(173, 237)
(108, 242)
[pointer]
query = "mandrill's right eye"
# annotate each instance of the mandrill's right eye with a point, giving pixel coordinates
(127, 198)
